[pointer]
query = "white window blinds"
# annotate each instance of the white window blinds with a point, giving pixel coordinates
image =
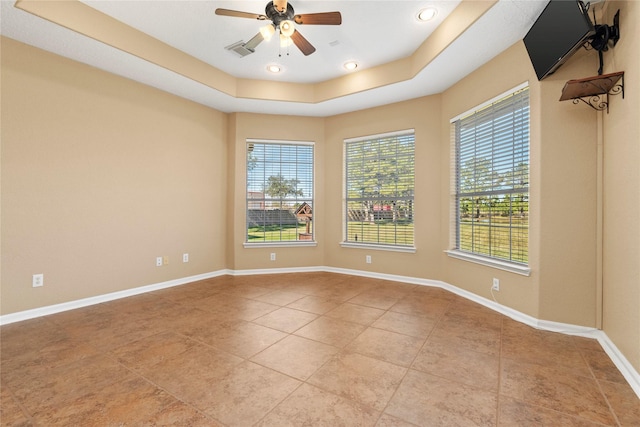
(380, 189)
(491, 201)
(279, 204)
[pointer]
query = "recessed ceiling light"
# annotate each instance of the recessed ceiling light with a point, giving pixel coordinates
(274, 68)
(351, 65)
(427, 14)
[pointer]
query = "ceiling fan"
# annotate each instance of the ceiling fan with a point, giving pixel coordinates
(283, 17)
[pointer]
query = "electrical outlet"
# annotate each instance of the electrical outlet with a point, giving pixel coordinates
(185, 257)
(368, 259)
(38, 280)
(159, 261)
(496, 284)
(165, 260)
(273, 256)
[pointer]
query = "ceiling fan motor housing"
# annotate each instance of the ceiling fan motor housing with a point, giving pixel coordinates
(277, 17)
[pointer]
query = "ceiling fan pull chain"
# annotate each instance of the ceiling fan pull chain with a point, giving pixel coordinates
(280, 50)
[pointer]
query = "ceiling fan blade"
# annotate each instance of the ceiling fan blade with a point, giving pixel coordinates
(281, 5)
(324, 18)
(238, 14)
(255, 41)
(302, 43)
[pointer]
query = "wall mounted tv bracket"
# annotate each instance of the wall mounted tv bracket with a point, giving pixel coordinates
(605, 34)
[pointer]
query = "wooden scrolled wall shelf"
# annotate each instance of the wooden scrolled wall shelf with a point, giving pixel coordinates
(594, 91)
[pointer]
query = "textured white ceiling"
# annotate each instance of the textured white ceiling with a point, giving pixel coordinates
(372, 33)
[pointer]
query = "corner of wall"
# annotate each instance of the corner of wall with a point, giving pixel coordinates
(230, 139)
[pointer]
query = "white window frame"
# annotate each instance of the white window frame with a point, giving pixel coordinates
(265, 199)
(409, 199)
(480, 257)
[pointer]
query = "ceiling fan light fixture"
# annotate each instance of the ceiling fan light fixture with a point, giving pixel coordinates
(285, 41)
(427, 14)
(350, 65)
(267, 31)
(287, 28)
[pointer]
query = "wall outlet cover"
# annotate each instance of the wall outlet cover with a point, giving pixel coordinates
(37, 280)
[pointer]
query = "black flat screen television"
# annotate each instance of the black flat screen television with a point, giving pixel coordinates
(560, 30)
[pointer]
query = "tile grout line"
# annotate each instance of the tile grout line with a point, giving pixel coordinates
(547, 408)
(113, 357)
(408, 368)
(305, 381)
(341, 350)
(157, 386)
(499, 390)
(370, 325)
(24, 410)
(599, 385)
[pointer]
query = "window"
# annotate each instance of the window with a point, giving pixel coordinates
(279, 192)
(491, 196)
(379, 189)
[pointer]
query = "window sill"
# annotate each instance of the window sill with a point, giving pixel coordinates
(390, 248)
(291, 244)
(489, 262)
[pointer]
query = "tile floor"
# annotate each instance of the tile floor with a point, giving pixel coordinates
(312, 349)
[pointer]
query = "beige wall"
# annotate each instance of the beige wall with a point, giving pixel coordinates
(422, 115)
(272, 127)
(99, 176)
(621, 141)
(503, 73)
(567, 199)
(562, 284)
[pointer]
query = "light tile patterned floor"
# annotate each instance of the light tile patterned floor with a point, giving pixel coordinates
(308, 349)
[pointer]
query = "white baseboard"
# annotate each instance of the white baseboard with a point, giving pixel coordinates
(85, 302)
(276, 271)
(493, 305)
(626, 369)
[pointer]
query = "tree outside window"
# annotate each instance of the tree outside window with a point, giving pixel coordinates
(380, 189)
